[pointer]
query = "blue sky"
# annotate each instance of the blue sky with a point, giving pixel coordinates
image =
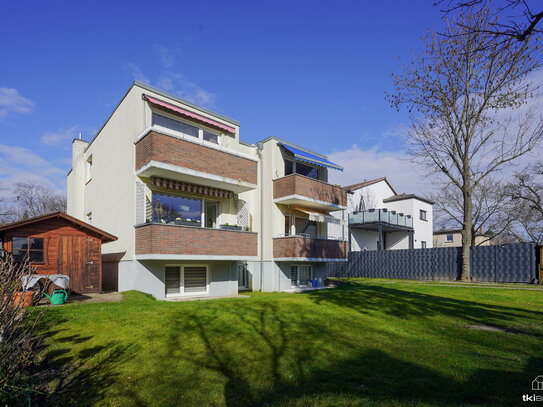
(310, 72)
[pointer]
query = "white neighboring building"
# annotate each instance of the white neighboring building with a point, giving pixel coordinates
(381, 219)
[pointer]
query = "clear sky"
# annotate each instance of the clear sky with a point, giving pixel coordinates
(311, 72)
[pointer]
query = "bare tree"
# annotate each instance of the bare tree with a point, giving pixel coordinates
(527, 192)
(520, 19)
(491, 210)
(473, 118)
(36, 199)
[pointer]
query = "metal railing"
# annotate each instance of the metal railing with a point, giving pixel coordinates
(381, 215)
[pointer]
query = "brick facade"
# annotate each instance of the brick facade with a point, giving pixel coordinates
(298, 184)
(171, 150)
(177, 239)
(305, 247)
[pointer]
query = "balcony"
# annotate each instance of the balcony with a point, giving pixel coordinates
(296, 189)
(178, 242)
(300, 248)
(389, 221)
(194, 161)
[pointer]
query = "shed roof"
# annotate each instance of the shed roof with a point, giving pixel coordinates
(104, 236)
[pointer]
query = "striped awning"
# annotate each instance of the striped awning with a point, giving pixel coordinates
(191, 188)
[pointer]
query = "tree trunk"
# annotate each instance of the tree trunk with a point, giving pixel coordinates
(467, 232)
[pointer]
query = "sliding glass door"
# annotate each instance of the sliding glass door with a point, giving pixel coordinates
(301, 276)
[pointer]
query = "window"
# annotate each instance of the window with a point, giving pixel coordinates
(185, 279)
(33, 247)
(212, 137)
(185, 128)
(176, 125)
(423, 244)
(176, 209)
(88, 169)
(450, 238)
(300, 168)
(300, 275)
(423, 215)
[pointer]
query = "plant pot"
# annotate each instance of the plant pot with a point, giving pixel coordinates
(23, 298)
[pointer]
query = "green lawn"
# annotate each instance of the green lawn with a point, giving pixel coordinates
(376, 344)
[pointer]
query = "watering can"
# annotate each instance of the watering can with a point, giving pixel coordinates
(57, 297)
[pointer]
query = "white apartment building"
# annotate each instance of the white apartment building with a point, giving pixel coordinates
(196, 210)
(381, 219)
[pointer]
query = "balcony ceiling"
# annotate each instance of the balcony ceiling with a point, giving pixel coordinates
(386, 227)
(310, 203)
(176, 173)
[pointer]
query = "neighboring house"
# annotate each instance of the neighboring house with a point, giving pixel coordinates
(197, 210)
(381, 219)
(453, 238)
(59, 244)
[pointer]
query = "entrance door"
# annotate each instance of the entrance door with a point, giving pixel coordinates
(211, 213)
(242, 276)
(300, 276)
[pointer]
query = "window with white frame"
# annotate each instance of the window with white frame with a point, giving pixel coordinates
(185, 128)
(185, 280)
(423, 244)
(450, 238)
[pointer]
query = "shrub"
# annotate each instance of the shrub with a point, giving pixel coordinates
(18, 341)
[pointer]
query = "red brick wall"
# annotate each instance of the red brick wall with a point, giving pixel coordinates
(300, 185)
(295, 246)
(170, 150)
(176, 239)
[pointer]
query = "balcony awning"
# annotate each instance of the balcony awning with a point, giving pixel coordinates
(319, 216)
(310, 158)
(189, 114)
(194, 189)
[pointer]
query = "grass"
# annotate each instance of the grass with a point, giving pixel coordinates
(372, 344)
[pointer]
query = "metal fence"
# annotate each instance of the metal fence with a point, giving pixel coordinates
(514, 263)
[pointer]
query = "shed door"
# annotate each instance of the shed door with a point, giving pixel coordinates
(79, 258)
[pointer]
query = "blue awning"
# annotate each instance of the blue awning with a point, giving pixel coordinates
(310, 158)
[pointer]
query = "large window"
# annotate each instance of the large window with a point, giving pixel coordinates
(300, 168)
(185, 279)
(33, 247)
(177, 209)
(176, 125)
(306, 227)
(185, 128)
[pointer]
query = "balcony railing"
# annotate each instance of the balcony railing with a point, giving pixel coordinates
(170, 241)
(381, 215)
(305, 191)
(309, 248)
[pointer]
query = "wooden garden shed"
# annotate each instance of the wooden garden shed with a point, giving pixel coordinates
(59, 244)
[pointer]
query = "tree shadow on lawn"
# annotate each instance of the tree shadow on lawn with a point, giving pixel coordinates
(260, 355)
(408, 304)
(65, 378)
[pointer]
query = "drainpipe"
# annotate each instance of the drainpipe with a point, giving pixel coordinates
(259, 147)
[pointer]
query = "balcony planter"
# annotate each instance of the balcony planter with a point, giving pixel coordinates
(187, 222)
(231, 227)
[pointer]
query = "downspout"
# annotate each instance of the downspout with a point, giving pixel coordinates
(259, 147)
